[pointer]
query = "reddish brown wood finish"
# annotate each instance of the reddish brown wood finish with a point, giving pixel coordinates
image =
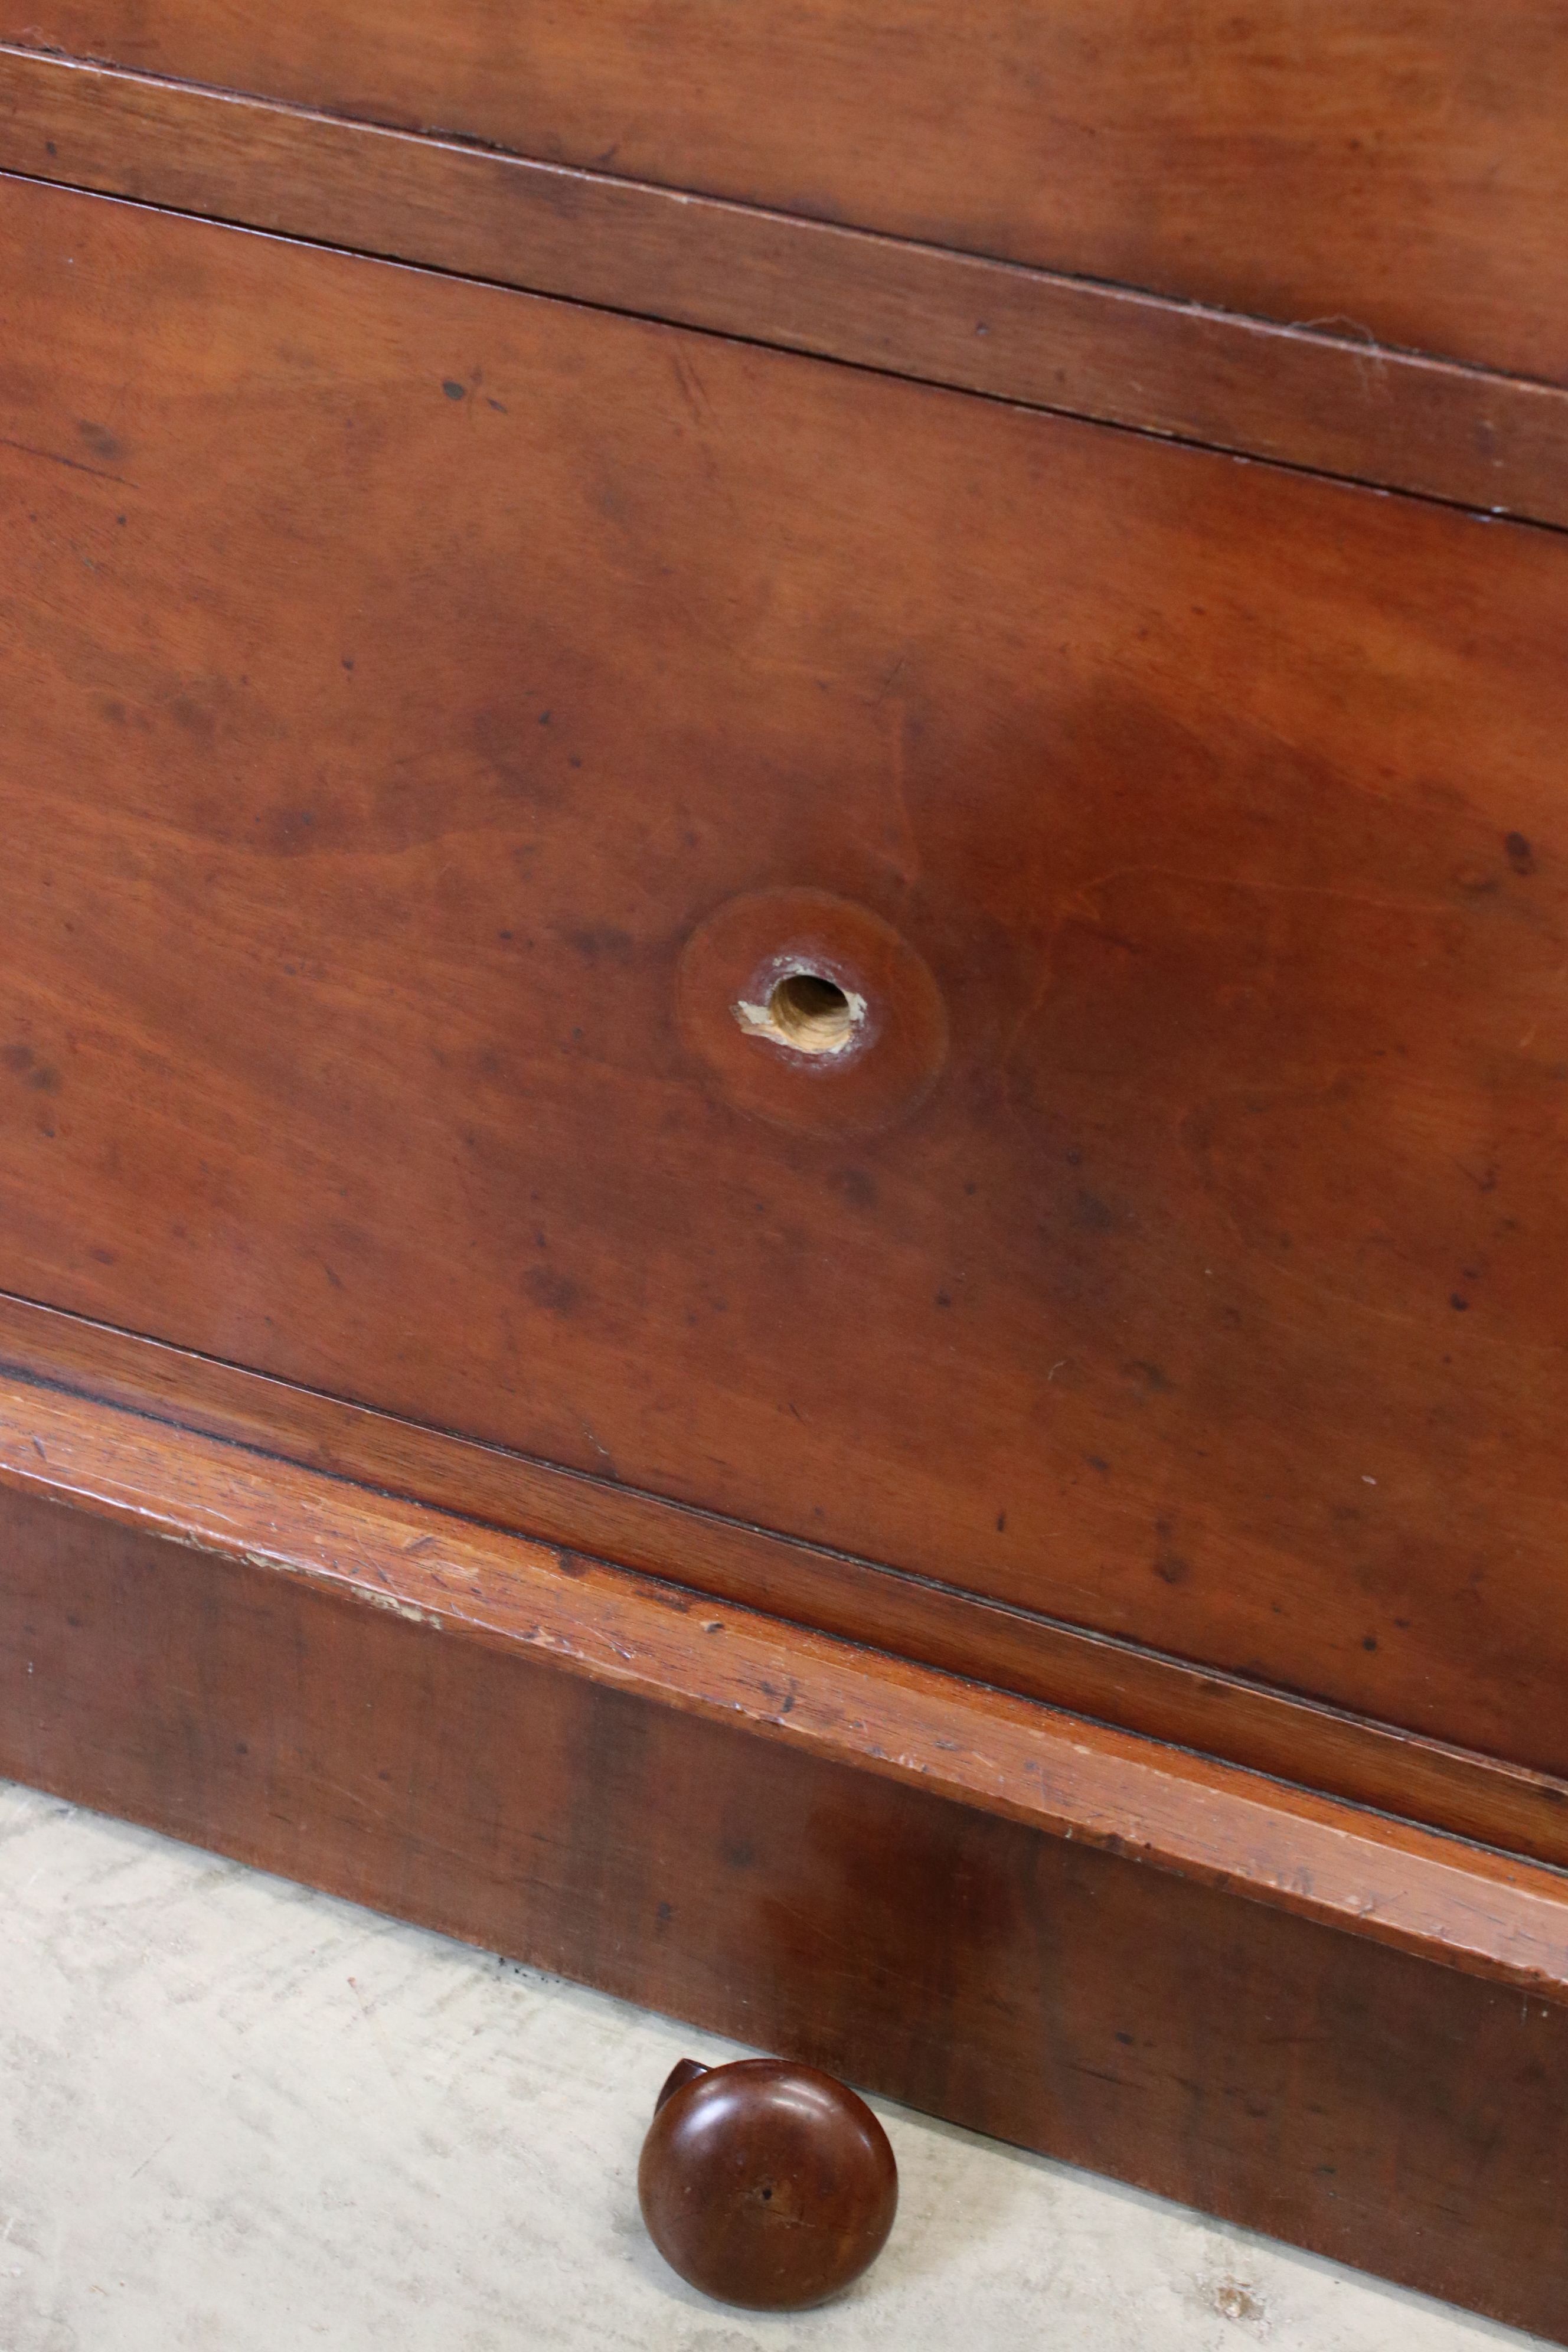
(1314, 400)
(765, 2184)
(1475, 1796)
(922, 1888)
(1489, 1915)
(1400, 170)
(458, 655)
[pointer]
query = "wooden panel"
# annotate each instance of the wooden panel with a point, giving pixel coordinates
(1397, 168)
(416, 678)
(552, 1765)
(1313, 400)
(1493, 1916)
(1475, 1796)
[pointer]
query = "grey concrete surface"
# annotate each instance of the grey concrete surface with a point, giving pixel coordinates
(240, 2117)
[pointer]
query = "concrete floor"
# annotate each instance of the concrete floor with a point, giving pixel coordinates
(245, 2118)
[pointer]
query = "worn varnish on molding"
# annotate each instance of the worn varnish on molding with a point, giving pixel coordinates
(1397, 170)
(1317, 398)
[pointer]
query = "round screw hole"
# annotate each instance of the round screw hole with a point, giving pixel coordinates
(814, 1013)
(807, 1011)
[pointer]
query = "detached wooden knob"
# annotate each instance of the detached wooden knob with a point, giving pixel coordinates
(766, 2185)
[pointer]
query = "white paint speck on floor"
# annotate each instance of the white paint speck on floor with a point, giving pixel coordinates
(240, 2117)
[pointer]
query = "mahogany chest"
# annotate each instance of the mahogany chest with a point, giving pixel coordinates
(784, 1033)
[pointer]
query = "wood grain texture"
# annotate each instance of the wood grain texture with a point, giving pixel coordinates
(410, 672)
(1313, 400)
(1478, 1797)
(1490, 1914)
(1397, 168)
(928, 1890)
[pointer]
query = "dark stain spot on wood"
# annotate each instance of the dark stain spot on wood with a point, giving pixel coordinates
(1001, 1522)
(739, 1852)
(104, 1256)
(1521, 855)
(1369, 1641)
(856, 1187)
(1169, 1565)
(45, 1081)
(1097, 1462)
(1458, 1305)
(101, 440)
(17, 1056)
(496, 732)
(944, 1298)
(193, 718)
(556, 1292)
(1092, 1215)
(288, 831)
(570, 1565)
(1150, 1376)
(453, 389)
(603, 943)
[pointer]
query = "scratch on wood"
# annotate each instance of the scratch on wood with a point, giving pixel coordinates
(53, 457)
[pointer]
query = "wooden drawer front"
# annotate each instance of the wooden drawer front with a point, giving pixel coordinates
(429, 707)
(1395, 171)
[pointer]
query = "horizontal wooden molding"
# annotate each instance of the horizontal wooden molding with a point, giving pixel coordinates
(1446, 1788)
(1314, 401)
(1484, 1913)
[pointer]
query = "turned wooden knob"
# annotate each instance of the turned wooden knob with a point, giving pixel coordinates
(766, 2185)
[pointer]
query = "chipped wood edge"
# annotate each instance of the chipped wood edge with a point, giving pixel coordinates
(1437, 1897)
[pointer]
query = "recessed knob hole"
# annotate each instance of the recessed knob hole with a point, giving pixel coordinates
(807, 1011)
(813, 1012)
